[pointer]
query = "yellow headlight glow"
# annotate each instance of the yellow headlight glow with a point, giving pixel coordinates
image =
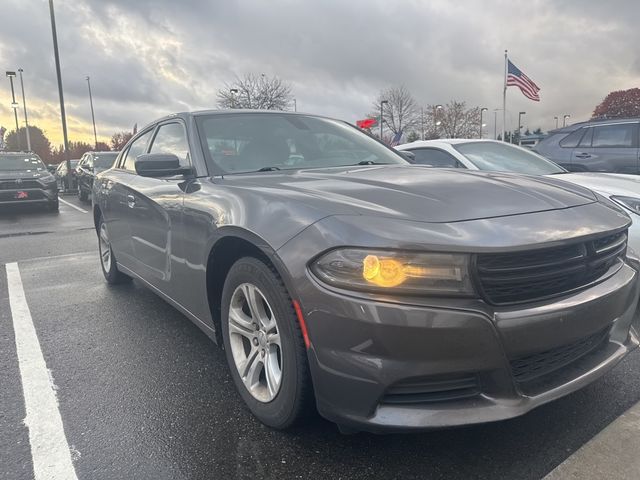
(384, 272)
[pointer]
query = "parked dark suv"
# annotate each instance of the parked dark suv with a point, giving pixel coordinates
(25, 179)
(90, 164)
(596, 146)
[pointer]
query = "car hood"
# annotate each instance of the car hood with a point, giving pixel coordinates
(15, 174)
(416, 193)
(607, 184)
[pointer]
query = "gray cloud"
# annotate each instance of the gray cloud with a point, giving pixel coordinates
(148, 58)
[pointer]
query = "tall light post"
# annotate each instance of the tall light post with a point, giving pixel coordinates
(564, 120)
(436, 122)
(520, 126)
(295, 105)
(234, 92)
(422, 122)
(556, 119)
(495, 123)
(63, 115)
(482, 110)
(93, 117)
(24, 107)
(382, 104)
(14, 105)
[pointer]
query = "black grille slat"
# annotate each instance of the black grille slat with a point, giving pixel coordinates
(432, 390)
(25, 185)
(531, 367)
(507, 278)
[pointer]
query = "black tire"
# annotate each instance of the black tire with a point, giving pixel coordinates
(54, 206)
(294, 399)
(112, 275)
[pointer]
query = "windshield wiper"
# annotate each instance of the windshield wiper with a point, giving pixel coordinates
(371, 162)
(268, 169)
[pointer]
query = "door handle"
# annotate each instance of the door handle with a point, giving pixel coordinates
(131, 201)
(583, 155)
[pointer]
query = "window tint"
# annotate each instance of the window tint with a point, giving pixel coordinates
(573, 139)
(434, 158)
(586, 140)
(240, 143)
(502, 157)
(614, 135)
(172, 139)
(138, 147)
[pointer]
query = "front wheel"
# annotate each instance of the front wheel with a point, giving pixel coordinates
(107, 259)
(263, 344)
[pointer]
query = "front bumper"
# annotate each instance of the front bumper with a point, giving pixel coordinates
(33, 195)
(379, 366)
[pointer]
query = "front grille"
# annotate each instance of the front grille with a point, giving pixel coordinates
(507, 278)
(531, 367)
(25, 185)
(430, 390)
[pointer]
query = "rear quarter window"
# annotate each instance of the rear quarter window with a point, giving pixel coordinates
(573, 139)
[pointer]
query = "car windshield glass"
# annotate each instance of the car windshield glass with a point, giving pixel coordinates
(21, 163)
(104, 160)
(502, 157)
(240, 143)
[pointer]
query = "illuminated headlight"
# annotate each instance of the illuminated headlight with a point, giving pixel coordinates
(410, 273)
(631, 203)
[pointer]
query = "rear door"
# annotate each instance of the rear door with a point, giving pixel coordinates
(612, 147)
(120, 193)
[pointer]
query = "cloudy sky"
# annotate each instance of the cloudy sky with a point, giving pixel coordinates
(147, 58)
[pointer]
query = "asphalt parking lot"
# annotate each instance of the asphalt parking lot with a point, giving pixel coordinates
(142, 393)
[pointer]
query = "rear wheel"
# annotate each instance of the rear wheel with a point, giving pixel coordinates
(54, 205)
(263, 344)
(107, 259)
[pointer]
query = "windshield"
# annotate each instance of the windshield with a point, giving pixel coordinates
(244, 142)
(24, 163)
(502, 157)
(104, 160)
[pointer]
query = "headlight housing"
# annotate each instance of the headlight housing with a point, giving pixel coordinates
(630, 203)
(389, 271)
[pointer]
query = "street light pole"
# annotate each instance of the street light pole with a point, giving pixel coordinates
(60, 93)
(520, 127)
(495, 124)
(556, 119)
(436, 122)
(422, 121)
(14, 105)
(24, 107)
(234, 92)
(564, 120)
(482, 110)
(295, 105)
(93, 118)
(382, 102)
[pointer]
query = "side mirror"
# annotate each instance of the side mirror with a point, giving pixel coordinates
(159, 165)
(408, 156)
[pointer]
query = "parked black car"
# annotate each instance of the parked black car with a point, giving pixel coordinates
(596, 146)
(338, 276)
(90, 164)
(63, 180)
(24, 179)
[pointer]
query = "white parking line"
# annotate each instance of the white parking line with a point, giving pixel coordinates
(73, 206)
(49, 448)
(611, 454)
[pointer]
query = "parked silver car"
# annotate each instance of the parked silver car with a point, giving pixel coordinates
(340, 277)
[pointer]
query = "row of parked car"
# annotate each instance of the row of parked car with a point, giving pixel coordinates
(386, 295)
(83, 171)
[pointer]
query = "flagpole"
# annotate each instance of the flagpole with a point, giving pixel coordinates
(504, 97)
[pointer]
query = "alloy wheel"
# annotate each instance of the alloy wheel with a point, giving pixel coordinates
(105, 248)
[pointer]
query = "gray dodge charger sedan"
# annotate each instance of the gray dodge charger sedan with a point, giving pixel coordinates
(338, 277)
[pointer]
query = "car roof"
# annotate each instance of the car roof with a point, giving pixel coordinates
(594, 122)
(448, 141)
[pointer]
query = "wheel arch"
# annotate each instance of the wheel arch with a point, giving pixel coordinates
(233, 244)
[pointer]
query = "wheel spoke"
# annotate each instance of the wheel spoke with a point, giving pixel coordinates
(240, 324)
(253, 299)
(274, 339)
(252, 369)
(272, 374)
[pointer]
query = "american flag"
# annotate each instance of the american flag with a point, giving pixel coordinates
(395, 141)
(516, 78)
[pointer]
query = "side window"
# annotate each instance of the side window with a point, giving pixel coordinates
(586, 140)
(612, 136)
(573, 139)
(138, 147)
(435, 158)
(171, 138)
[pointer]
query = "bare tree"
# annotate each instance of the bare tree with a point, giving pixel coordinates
(453, 120)
(400, 112)
(256, 91)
